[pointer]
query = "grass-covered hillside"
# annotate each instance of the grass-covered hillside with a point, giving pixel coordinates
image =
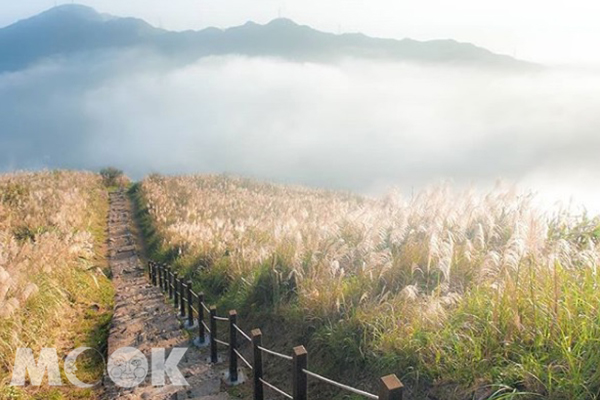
(468, 295)
(54, 291)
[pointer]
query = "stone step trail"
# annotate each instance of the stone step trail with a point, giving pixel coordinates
(143, 319)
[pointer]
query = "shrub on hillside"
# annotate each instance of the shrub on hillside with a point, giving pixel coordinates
(113, 177)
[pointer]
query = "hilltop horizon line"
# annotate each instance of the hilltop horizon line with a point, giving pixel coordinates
(82, 11)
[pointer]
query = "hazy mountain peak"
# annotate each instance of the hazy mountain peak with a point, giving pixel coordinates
(72, 28)
(282, 22)
(73, 8)
(75, 11)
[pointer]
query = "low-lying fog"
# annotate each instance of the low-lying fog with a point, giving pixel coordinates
(357, 125)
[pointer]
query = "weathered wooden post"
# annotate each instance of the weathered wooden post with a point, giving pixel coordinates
(157, 274)
(165, 288)
(154, 273)
(213, 335)
(150, 270)
(201, 330)
(182, 298)
(390, 388)
(257, 367)
(300, 381)
(190, 305)
(233, 370)
(170, 282)
(176, 290)
(160, 276)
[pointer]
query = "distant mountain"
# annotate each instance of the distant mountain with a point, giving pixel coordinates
(69, 29)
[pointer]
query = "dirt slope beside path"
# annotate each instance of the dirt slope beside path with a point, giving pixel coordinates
(143, 320)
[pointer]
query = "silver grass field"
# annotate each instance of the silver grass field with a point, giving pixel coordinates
(482, 292)
(53, 287)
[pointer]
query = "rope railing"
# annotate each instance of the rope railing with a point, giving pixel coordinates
(276, 354)
(275, 389)
(341, 385)
(183, 297)
(241, 357)
(237, 328)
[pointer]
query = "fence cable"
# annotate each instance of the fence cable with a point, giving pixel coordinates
(275, 389)
(248, 338)
(243, 359)
(276, 354)
(340, 385)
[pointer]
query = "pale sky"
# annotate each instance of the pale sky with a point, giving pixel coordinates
(544, 31)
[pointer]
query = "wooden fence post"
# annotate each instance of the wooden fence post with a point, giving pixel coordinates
(257, 367)
(190, 305)
(390, 388)
(233, 370)
(165, 278)
(176, 290)
(170, 283)
(300, 381)
(154, 273)
(160, 276)
(201, 330)
(182, 298)
(213, 335)
(157, 274)
(150, 270)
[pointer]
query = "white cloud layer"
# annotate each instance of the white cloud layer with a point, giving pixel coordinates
(358, 125)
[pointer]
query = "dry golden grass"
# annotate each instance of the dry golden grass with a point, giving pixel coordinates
(482, 290)
(51, 233)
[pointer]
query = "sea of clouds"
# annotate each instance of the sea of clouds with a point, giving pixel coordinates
(355, 125)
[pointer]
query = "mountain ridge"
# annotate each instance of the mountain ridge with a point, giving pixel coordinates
(73, 28)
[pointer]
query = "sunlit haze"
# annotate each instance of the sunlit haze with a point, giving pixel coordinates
(357, 123)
